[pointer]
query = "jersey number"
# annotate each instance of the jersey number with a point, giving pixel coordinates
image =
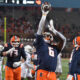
(51, 52)
(15, 52)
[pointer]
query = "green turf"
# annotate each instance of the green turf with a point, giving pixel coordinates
(64, 68)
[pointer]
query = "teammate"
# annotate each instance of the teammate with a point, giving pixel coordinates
(74, 70)
(13, 51)
(27, 66)
(1, 59)
(47, 52)
(59, 66)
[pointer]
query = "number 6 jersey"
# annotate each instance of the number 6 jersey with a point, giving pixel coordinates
(47, 54)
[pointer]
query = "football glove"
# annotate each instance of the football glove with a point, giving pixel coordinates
(51, 26)
(10, 50)
(45, 8)
(16, 64)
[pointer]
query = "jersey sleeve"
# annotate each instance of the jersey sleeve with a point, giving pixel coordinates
(23, 53)
(39, 40)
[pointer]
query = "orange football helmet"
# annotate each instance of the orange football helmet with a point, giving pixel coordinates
(76, 41)
(15, 41)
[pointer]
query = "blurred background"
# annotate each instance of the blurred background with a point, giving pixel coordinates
(21, 17)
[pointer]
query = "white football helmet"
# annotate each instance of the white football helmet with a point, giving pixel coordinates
(28, 48)
(48, 38)
(1, 47)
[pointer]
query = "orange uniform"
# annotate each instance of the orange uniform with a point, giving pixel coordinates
(11, 72)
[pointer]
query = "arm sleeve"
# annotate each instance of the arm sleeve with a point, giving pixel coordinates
(62, 39)
(41, 24)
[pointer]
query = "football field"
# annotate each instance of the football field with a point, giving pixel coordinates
(64, 68)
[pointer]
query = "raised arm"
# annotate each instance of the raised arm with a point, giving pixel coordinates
(62, 38)
(45, 11)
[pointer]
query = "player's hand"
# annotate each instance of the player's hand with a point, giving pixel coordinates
(69, 77)
(16, 64)
(10, 50)
(45, 8)
(51, 26)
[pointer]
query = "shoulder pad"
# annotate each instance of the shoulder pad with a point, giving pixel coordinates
(21, 45)
(5, 45)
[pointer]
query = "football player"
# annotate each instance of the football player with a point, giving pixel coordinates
(74, 61)
(27, 66)
(13, 51)
(47, 52)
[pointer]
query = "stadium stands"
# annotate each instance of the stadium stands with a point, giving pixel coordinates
(23, 21)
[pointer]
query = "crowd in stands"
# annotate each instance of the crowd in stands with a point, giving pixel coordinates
(24, 20)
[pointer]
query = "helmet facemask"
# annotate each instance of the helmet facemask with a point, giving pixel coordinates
(48, 38)
(15, 41)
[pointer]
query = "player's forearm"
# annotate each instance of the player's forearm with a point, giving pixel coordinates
(60, 36)
(41, 24)
(5, 53)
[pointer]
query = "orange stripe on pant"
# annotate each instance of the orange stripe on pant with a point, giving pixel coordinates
(12, 74)
(45, 75)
